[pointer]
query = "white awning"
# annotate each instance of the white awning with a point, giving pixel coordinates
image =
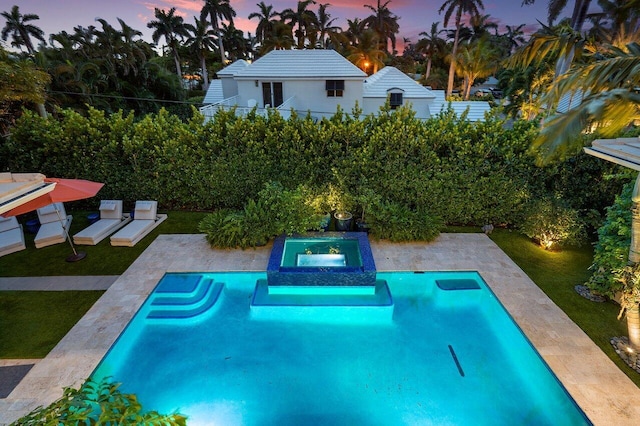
(623, 151)
(19, 188)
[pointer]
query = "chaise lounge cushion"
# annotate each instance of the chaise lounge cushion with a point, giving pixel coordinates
(51, 219)
(144, 221)
(132, 230)
(11, 236)
(53, 232)
(51, 213)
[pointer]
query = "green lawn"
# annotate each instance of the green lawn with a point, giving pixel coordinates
(102, 259)
(33, 322)
(556, 273)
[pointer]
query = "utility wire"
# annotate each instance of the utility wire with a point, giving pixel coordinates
(123, 97)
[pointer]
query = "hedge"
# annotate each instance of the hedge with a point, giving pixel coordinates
(452, 169)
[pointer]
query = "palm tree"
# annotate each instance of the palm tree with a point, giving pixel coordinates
(619, 21)
(169, 26)
(354, 30)
(476, 60)
(83, 39)
(578, 17)
(201, 41)
(325, 24)
(366, 53)
(250, 43)
(384, 23)
(514, 36)
(610, 102)
(21, 32)
(301, 19)
(430, 45)
(218, 9)
(471, 7)
(480, 26)
(266, 20)
(524, 89)
(555, 7)
(280, 39)
(560, 43)
(234, 40)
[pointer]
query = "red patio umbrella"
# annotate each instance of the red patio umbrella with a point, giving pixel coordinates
(64, 191)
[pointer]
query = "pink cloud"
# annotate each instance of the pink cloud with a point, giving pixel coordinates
(192, 5)
(245, 24)
(143, 18)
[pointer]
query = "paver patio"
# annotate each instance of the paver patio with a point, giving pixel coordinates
(605, 394)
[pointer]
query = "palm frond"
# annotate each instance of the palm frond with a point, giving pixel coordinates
(608, 112)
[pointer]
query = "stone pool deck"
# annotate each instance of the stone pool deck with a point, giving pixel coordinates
(605, 394)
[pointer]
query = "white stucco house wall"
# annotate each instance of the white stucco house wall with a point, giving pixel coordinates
(314, 81)
(401, 89)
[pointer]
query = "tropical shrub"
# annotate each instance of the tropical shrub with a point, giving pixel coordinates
(289, 211)
(97, 403)
(397, 222)
(277, 211)
(553, 225)
(611, 251)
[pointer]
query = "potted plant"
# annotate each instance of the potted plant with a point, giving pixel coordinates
(343, 220)
(343, 202)
(366, 200)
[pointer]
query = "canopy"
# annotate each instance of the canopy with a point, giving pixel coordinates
(65, 190)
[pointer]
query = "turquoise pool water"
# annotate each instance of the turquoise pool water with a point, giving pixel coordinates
(296, 249)
(418, 349)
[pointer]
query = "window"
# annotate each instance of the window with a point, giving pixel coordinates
(335, 88)
(272, 94)
(395, 100)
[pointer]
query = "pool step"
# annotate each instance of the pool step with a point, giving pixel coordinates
(183, 298)
(172, 306)
(321, 290)
(340, 304)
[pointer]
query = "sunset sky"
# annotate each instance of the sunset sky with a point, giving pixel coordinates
(415, 15)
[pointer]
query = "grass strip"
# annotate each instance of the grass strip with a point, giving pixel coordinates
(33, 322)
(102, 259)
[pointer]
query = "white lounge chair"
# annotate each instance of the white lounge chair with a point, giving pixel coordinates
(52, 218)
(111, 219)
(11, 236)
(145, 219)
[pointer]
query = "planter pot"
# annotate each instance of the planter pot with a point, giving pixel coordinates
(343, 221)
(93, 218)
(326, 221)
(32, 226)
(362, 226)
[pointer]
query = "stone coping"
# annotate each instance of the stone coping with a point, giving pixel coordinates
(604, 393)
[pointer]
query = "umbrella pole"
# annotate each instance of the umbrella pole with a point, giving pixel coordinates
(76, 256)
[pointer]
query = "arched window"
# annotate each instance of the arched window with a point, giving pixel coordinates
(395, 97)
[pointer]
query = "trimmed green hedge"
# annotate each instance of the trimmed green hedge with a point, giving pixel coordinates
(444, 167)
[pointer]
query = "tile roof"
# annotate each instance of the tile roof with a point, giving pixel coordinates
(378, 85)
(234, 68)
(477, 109)
(214, 94)
(312, 63)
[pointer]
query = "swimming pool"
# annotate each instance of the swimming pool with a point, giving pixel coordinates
(424, 348)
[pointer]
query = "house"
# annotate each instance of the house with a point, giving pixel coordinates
(475, 110)
(401, 89)
(317, 82)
